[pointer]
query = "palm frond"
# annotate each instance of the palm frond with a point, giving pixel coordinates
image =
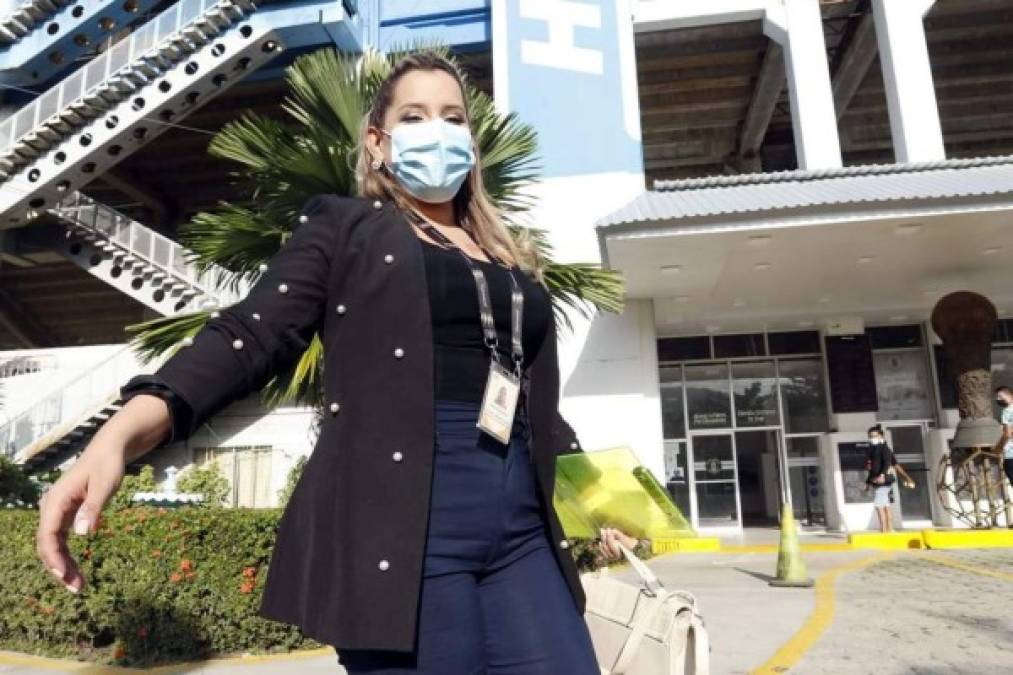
(302, 383)
(164, 335)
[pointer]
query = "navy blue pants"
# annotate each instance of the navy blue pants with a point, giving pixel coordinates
(494, 601)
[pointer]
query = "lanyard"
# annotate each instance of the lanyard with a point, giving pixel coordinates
(491, 337)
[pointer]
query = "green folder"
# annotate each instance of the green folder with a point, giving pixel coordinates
(611, 488)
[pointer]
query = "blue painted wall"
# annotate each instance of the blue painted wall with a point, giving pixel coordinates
(565, 75)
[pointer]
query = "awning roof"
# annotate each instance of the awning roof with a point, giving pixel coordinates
(673, 203)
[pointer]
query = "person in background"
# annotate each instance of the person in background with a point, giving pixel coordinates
(883, 468)
(1004, 397)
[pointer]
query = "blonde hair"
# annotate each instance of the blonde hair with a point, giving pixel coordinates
(473, 210)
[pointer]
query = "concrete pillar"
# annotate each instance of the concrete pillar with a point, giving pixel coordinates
(611, 395)
(798, 27)
(907, 76)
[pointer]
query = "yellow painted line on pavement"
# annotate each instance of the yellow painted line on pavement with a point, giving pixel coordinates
(68, 665)
(967, 567)
(818, 621)
(773, 548)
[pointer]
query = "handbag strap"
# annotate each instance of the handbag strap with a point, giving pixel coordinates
(632, 645)
(649, 578)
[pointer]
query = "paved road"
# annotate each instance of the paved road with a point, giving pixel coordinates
(933, 613)
(926, 613)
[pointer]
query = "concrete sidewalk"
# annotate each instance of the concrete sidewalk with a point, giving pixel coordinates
(870, 612)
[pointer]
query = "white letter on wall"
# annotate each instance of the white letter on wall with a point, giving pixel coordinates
(562, 16)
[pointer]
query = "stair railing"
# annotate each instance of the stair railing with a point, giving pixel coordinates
(86, 81)
(72, 399)
(149, 246)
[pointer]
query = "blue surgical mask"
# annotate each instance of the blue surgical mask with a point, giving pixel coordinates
(876, 441)
(431, 159)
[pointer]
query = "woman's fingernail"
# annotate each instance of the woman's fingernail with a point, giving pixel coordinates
(81, 526)
(58, 573)
(71, 588)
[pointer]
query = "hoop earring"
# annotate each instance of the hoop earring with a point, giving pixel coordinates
(376, 164)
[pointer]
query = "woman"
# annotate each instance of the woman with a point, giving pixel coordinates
(406, 558)
(883, 468)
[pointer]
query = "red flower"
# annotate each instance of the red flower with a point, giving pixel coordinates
(175, 577)
(185, 565)
(246, 587)
(249, 572)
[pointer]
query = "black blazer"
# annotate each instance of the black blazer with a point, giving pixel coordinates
(347, 563)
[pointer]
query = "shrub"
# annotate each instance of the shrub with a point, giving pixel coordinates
(16, 487)
(207, 481)
(161, 586)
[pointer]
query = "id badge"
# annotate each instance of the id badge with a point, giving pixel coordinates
(499, 403)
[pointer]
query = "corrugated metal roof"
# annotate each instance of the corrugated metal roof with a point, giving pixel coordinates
(783, 191)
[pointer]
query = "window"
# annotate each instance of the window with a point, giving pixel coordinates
(794, 342)
(684, 348)
(903, 385)
(1002, 371)
(1002, 367)
(673, 415)
(248, 471)
(895, 337)
(677, 474)
(853, 472)
(1003, 331)
(803, 395)
(947, 380)
(755, 394)
(732, 346)
(707, 395)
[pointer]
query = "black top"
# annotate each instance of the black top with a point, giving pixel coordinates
(878, 461)
(461, 358)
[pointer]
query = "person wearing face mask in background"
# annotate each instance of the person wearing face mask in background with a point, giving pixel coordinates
(1004, 397)
(883, 468)
(420, 537)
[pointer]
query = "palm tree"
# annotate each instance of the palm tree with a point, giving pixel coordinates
(282, 164)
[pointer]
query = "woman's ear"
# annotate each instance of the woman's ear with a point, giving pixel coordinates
(374, 144)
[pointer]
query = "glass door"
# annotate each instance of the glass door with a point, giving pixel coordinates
(908, 443)
(715, 480)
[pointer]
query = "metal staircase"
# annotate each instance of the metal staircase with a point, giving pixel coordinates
(122, 99)
(44, 38)
(26, 17)
(136, 260)
(95, 117)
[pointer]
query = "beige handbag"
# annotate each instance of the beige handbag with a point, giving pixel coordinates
(644, 629)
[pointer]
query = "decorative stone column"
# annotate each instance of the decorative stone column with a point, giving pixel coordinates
(971, 483)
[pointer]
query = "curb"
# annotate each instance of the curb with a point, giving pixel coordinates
(68, 666)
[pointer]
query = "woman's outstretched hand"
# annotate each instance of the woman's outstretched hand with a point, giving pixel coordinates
(78, 497)
(76, 500)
